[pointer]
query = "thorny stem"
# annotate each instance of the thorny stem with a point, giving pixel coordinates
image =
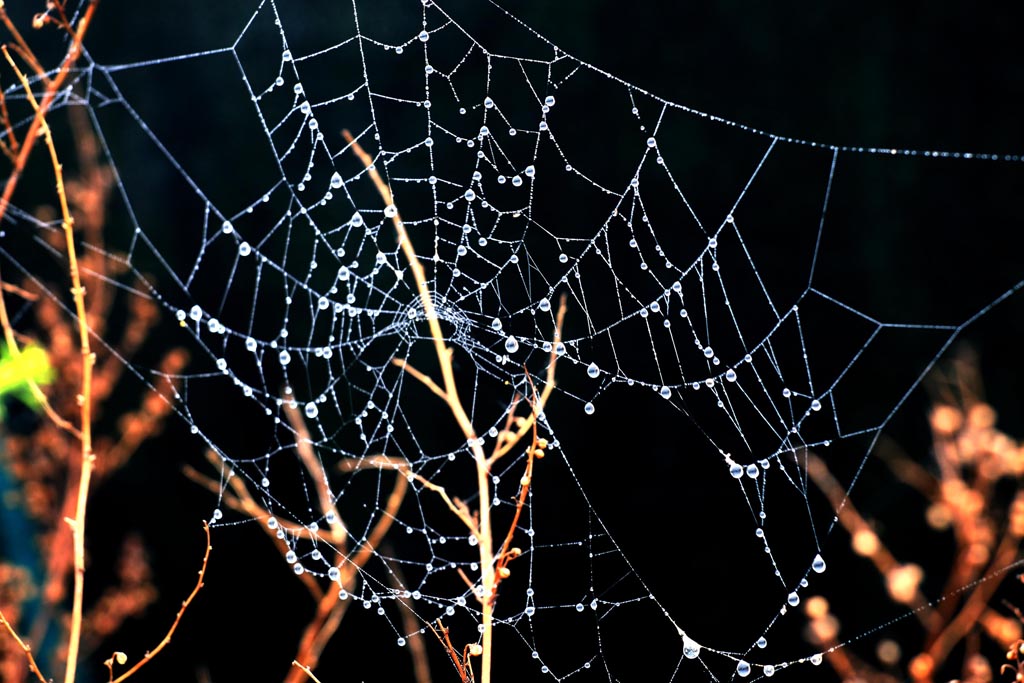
(489, 578)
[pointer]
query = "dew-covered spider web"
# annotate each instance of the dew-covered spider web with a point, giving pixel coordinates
(721, 323)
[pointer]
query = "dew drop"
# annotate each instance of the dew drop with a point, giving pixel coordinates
(730, 375)
(511, 344)
(762, 642)
(665, 392)
(390, 210)
(244, 249)
(742, 669)
(423, 36)
(284, 357)
(651, 142)
(815, 405)
(311, 410)
(593, 370)
(793, 599)
(549, 100)
(735, 471)
(336, 180)
(691, 648)
(816, 659)
(588, 408)
(818, 565)
(769, 670)
(333, 574)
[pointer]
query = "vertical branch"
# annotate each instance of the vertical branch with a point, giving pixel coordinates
(489, 575)
(85, 397)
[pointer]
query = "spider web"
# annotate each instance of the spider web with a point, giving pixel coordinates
(709, 328)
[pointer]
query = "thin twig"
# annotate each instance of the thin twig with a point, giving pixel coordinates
(32, 666)
(305, 670)
(148, 657)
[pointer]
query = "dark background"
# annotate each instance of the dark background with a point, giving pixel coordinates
(908, 240)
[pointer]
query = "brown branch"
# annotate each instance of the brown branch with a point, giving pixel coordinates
(49, 95)
(32, 666)
(148, 657)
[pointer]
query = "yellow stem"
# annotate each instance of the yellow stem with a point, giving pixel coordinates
(85, 397)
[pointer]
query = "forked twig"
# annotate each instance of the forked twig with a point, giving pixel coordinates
(492, 567)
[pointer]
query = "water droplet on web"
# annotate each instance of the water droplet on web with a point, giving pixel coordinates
(530, 610)
(588, 408)
(356, 220)
(593, 370)
(291, 557)
(752, 471)
(735, 471)
(286, 56)
(227, 228)
(401, 642)
(793, 599)
(579, 607)
(423, 36)
(195, 313)
(708, 352)
(311, 410)
(762, 642)
(333, 574)
(336, 180)
(769, 670)
(665, 392)
(250, 344)
(284, 357)
(730, 375)
(651, 142)
(549, 100)
(544, 305)
(818, 565)
(560, 349)
(815, 405)
(816, 659)
(593, 604)
(244, 249)
(511, 344)
(390, 210)
(742, 669)
(488, 102)
(691, 648)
